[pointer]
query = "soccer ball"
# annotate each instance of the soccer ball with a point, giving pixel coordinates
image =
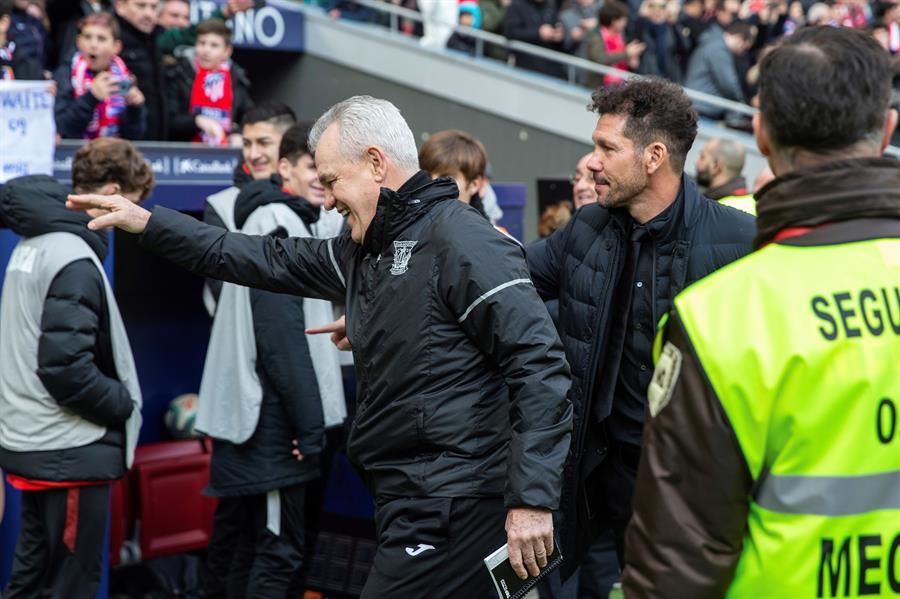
(181, 416)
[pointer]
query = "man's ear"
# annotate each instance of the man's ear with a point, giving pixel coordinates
(118, 46)
(890, 123)
(762, 138)
(228, 50)
(655, 155)
(284, 168)
(475, 185)
(377, 162)
(110, 189)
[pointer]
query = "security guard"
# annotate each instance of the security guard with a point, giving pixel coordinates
(771, 466)
(719, 170)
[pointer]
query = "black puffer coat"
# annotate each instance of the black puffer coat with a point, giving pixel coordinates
(75, 356)
(291, 406)
(462, 380)
(579, 265)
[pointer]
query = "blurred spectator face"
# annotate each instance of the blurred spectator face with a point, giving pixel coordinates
(819, 14)
(583, 184)
(261, 142)
(467, 19)
(98, 46)
(706, 165)
(467, 189)
(615, 164)
(302, 179)
(350, 186)
(619, 25)
(140, 13)
(212, 50)
(656, 11)
(739, 45)
(175, 14)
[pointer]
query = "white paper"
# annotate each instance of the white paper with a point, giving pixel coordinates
(27, 129)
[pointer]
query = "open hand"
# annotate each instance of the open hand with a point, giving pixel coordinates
(338, 330)
(110, 211)
(529, 534)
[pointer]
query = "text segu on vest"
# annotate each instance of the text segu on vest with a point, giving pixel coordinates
(852, 313)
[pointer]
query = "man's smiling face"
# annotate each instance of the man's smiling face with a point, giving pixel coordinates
(350, 186)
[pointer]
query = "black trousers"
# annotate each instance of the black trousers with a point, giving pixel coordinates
(614, 482)
(256, 548)
(435, 547)
(59, 552)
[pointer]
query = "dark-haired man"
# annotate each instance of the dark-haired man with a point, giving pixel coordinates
(261, 131)
(771, 466)
(712, 68)
(615, 269)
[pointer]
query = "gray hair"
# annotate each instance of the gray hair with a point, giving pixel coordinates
(364, 121)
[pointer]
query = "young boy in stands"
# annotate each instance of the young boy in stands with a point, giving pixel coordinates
(13, 64)
(257, 545)
(208, 92)
(69, 393)
(97, 95)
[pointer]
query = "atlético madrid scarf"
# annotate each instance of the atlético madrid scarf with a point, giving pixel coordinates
(108, 113)
(212, 96)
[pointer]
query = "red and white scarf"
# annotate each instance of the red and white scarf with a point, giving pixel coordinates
(108, 113)
(212, 95)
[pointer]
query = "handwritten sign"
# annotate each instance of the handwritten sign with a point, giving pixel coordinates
(27, 129)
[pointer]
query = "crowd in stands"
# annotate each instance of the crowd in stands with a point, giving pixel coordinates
(712, 46)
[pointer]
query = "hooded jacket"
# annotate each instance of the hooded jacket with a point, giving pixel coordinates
(291, 406)
(461, 377)
(76, 361)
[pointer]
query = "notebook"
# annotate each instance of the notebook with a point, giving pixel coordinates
(507, 582)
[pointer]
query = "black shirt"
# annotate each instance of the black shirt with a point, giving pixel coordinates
(626, 421)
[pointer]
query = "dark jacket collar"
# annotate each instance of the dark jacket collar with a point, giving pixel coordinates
(674, 221)
(734, 187)
(398, 209)
(270, 191)
(36, 204)
(832, 192)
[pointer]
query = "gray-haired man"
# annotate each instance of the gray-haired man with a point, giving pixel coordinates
(462, 420)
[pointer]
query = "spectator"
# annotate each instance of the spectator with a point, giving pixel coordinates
(615, 269)
(583, 192)
(719, 171)
(71, 402)
(820, 14)
(350, 10)
(438, 16)
(208, 93)
(28, 32)
(457, 155)
(261, 132)
(578, 21)
(656, 28)
(535, 22)
(712, 69)
(554, 217)
(175, 14)
(97, 94)
(469, 16)
(14, 64)
(606, 44)
(144, 43)
(493, 14)
(688, 29)
(294, 377)
(65, 15)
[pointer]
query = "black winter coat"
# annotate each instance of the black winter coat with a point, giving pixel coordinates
(24, 67)
(291, 405)
(579, 265)
(461, 377)
(75, 357)
(180, 83)
(73, 115)
(139, 51)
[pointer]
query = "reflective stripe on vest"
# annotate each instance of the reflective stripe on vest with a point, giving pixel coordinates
(802, 346)
(745, 203)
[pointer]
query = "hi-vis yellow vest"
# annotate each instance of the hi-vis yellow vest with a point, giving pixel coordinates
(745, 203)
(802, 347)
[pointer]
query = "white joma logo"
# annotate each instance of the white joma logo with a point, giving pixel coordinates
(420, 549)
